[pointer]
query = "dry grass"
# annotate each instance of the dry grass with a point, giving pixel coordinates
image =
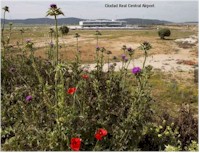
(112, 40)
(174, 89)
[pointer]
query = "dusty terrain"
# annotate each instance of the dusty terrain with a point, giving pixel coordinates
(178, 53)
(167, 62)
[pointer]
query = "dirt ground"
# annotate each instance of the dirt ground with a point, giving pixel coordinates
(112, 40)
(166, 55)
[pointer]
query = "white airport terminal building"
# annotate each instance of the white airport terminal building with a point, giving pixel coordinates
(102, 23)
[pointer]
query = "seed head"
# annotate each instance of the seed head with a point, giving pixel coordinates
(145, 46)
(6, 9)
(109, 52)
(53, 6)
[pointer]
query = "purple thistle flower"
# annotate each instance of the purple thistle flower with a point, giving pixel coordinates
(29, 98)
(54, 6)
(123, 56)
(51, 44)
(136, 70)
(111, 65)
(28, 40)
(12, 70)
(97, 48)
(86, 70)
(126, 59)
(129, 49)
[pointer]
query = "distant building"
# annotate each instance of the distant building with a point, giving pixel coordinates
(102, 23)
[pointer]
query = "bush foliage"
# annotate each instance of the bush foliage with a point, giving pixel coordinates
(64, 30)
(164, 33)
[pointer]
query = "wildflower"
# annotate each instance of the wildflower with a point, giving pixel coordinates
(77, 35)
(29, 44)
(75, 144)
(98, 33)
(12, 70)
(145, 46)
(53, 6)
(136, 70)
(51, 30)
(51, 44)
(71, 91)
(54, 11)
(114, 57)
(6, 9)
(123, 56)
(85, 69)
(97, 48)
(109, 52)
(124, 47)
(126, 59)
(28, 40)
(130, 51)
(100, 134)
(112, 66)
(103, 49)
(85, 76)
(21, 30)
(29, 98)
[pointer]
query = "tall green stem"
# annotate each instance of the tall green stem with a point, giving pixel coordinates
(77, 50)
(56, 22)
(97, 41)
(2, 35)
(145, 57)
(22, 38)
(94, 149)
(3, 22)
(108, 62)
(51, 37)
(9, 33)
(77, 44)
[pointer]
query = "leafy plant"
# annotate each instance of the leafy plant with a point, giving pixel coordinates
(64, 30)
(164, 33)
(54, 11)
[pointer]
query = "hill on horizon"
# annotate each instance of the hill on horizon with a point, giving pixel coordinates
(75, 21)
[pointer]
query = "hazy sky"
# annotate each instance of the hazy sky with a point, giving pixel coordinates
(175, 11)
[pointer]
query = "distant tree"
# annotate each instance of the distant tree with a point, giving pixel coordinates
(64, 30)
(164, 33)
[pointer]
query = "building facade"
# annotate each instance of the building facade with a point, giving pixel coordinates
(102, 23)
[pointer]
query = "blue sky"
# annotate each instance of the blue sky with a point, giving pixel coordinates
(175, 11)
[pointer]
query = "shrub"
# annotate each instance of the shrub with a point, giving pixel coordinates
(187, 126)
(41, 112)
(156, 137)
(164, 33)
(64, 30)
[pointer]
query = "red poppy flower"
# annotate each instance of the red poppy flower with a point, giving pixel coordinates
(100, 134)
(71, 91)
(85, 76)
(75, 144)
